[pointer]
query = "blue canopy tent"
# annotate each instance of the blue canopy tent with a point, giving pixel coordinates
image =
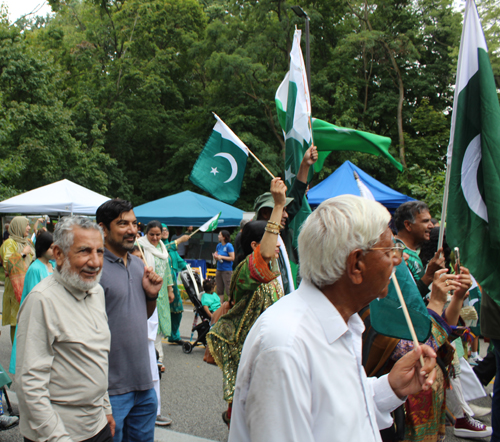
(342, 182)
(188, 209)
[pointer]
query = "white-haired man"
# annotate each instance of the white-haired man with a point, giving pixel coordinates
(63, 342)
(300, 376)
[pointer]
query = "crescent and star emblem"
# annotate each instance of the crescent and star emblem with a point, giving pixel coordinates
(470, 166)
(232, 162)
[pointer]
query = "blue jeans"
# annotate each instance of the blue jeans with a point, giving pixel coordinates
(135, 416)
(495, 405)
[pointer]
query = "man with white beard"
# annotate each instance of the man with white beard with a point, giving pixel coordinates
(63, 341)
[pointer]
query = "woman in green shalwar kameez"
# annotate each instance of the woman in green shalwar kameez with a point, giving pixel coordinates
(176, 265)
(254, 288)
(156, 256)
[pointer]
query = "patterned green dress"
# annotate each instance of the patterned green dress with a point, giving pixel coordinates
(254, 288)
(162, 268)
(176, 308)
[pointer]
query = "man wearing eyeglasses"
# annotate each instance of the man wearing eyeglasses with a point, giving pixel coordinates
(300, 375)
(414, 225)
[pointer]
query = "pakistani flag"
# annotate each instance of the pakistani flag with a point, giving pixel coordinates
(474, 160)
(328, 137)
(220, 167)
(211, 224)
(386, 314)
(294, 110)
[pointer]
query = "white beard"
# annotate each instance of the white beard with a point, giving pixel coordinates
(74, 280)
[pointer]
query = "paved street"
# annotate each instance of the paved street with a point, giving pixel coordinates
(191, 393)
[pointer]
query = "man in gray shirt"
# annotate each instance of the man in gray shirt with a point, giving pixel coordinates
(131, 291)
(63, 343)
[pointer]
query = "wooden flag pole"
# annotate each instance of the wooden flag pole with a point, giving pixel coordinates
(261, 163)
(142, 253)
(407, 315)
(196, 231)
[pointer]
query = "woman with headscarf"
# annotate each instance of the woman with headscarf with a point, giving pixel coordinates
(156, 255)
(16, 253)
(38, 270)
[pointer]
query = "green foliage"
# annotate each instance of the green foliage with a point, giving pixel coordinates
(425, 185)
(117, 95)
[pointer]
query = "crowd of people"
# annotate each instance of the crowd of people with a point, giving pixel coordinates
(90, 304)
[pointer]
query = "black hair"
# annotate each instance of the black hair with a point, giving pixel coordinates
(407, 212)
(111, 210)
(226, 235)
(152, 225)
(208, 285)
(43, 242)
(429, 248)
(252, 231)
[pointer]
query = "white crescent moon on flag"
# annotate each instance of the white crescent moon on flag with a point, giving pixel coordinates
(470, 165)
(232, 161)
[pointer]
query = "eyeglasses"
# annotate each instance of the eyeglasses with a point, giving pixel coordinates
(397, 250)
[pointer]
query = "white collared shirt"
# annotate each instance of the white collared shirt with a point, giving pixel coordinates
(300, 377)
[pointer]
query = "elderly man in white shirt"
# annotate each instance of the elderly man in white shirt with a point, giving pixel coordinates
(300, 376)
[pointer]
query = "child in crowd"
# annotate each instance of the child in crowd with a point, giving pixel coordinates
(209, 299)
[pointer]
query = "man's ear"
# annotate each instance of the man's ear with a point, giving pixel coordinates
(355, 268)
(408, 225)
(104, 229)
(59, 256)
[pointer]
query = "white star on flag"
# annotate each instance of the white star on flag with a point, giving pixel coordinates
(214, 171)
(289, 175)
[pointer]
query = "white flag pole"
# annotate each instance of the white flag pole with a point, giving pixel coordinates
(442, 224)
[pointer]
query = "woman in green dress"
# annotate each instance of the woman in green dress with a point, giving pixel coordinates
(176, 265)
(254, 287)
(156, 255)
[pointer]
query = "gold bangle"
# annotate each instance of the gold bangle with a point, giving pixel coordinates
(275, 232)
(272, 223)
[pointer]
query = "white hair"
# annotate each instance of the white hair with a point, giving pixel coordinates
(337, 227)
(64, 233)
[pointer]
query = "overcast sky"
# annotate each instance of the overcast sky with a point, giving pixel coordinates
(18, 8)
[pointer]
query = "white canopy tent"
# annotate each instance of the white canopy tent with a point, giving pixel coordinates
(60, 198)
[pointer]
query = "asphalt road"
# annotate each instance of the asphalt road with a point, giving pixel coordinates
(191, 393)
(191, 390)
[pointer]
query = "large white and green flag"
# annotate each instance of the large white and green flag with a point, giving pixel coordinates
(474, 159)
(221, 165)
(293, 105)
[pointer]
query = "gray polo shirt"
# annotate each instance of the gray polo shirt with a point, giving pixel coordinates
(129, 367)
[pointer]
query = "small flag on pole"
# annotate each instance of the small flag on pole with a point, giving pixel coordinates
(211, 224)
(363, 190)
(221, 165)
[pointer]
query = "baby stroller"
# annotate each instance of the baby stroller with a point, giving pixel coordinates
(193, 285)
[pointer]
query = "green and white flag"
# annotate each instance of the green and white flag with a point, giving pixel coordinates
(221, 165)
(293, 104)
(329, 138)
(211, 224)
(474, 159)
